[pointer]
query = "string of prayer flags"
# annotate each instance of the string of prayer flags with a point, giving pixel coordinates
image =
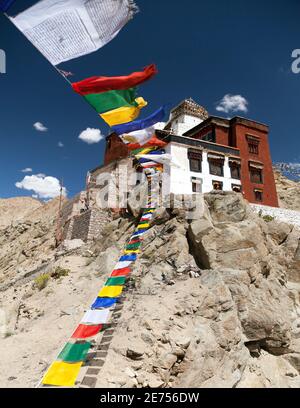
(84, 331)
(96, 316)
(62, 374)
(66, 29)
(74, 352)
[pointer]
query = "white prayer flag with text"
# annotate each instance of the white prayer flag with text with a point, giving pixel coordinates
(66, 29)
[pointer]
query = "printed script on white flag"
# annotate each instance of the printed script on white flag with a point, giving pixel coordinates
(65, 29)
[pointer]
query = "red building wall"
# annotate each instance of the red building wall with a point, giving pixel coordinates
(115, 149)
(222, 135)
(240, 128)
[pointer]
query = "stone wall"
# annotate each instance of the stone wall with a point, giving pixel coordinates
(81, 225)
(87, 226)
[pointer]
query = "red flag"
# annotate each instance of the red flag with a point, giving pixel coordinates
(83, 331)
(154, 141)
(121, 272)
(98, 84)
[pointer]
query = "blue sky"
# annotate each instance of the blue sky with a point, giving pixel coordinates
(203, 50)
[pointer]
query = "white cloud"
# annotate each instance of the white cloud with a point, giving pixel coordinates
(232, 103)
(60, 144)
(27, 170)
(91, 136)
(44, 187)
(40, 127)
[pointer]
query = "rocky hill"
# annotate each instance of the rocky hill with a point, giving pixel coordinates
(15, 209)
(288, 191)
(212, 301)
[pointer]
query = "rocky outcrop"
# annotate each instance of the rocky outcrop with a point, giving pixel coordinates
(213, 301)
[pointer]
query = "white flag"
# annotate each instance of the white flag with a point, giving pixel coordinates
(139, 136)
(65, 29)
(96, 316)
(165, 158)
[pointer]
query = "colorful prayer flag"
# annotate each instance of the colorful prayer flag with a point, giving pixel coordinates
(115, 281)
(140, 137)
(125, 258)
(131, 251)
(96, 316)
(96, 85)
(66, 29)
(111, 291)
(133, 246)
(103, 303)
(121, 272)
(143, 226)
(124, 114)
(107, 101)
(122, 265)
(62, 374)
(140, 124)
(140, 232)
(74, 352)
(84, 331)
(154, 143)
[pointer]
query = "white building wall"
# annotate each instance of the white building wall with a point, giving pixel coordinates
(181, 178)
(184, 123)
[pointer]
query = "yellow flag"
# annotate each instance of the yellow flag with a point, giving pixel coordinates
(132, 251)
(143, 226)
(124, 114)
(110, 291)
(62, 374)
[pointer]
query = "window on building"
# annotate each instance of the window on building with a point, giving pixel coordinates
(216, 165)
(195, 158)
(217, 185)
(253, 144)
(210, 137)
(236, 188)
(258, 194)
(196, 185)
(235, 169)
(256, 173)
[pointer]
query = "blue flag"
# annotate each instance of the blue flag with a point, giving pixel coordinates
(103, 303)
(140, 124)
(5, 4)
